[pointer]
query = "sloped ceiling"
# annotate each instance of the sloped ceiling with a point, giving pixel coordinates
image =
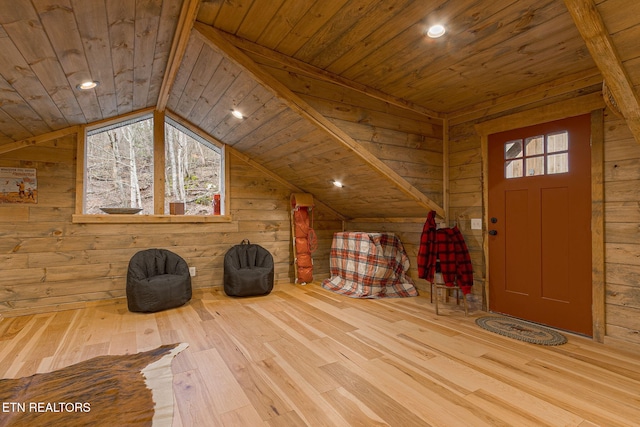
(201, 59)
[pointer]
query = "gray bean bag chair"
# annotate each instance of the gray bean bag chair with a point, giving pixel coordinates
(157, 280)
(248, 270)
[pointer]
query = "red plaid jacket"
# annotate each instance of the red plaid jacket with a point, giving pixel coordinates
(427, 251)
(447, 246)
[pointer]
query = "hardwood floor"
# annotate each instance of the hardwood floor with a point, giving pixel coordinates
(305, 356)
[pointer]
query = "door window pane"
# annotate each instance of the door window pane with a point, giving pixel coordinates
(513, 168)
(557, 142)
(534, 145)
(558, 163)
(513, 149)
(535, 166)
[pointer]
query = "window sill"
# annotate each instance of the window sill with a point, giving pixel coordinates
(147, 219)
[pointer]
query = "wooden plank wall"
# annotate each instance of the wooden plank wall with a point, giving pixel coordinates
(465, 195)
(622, 217)
(49, 263)
(622, 230)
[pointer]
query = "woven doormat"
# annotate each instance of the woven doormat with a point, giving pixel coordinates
(521, 330)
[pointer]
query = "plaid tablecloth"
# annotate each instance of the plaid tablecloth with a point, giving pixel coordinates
(369, 265)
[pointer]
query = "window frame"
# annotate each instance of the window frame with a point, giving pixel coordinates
(524, 156)
(158, 216)
(206, 140)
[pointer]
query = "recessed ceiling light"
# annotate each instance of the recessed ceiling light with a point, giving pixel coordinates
(436, 31)
(237, 114)
(87, 85)
(338, 184)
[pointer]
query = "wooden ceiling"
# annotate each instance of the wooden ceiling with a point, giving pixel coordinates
(490, 47)
(270, 58)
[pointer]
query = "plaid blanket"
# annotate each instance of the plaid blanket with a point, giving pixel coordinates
(369, 265)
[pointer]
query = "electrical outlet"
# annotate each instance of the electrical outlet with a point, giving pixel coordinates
(192, 271)
(476, 224)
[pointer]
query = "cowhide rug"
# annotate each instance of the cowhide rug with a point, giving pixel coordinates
(127, 390)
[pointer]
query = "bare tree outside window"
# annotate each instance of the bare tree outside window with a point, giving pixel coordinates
(193, 170)
(119, 167)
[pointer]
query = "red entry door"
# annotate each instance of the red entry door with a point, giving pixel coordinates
(540, 224)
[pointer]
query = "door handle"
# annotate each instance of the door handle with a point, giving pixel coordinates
(493, 232)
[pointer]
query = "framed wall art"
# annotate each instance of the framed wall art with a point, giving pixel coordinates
(18, 185)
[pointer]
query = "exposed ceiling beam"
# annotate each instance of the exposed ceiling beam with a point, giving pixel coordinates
(294, 65)
(546, 113)
(216, 41)
(553, 89)
(28, 142)
(188, 16)
(590, 25)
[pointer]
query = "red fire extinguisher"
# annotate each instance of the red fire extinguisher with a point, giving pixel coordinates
(216, 204)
